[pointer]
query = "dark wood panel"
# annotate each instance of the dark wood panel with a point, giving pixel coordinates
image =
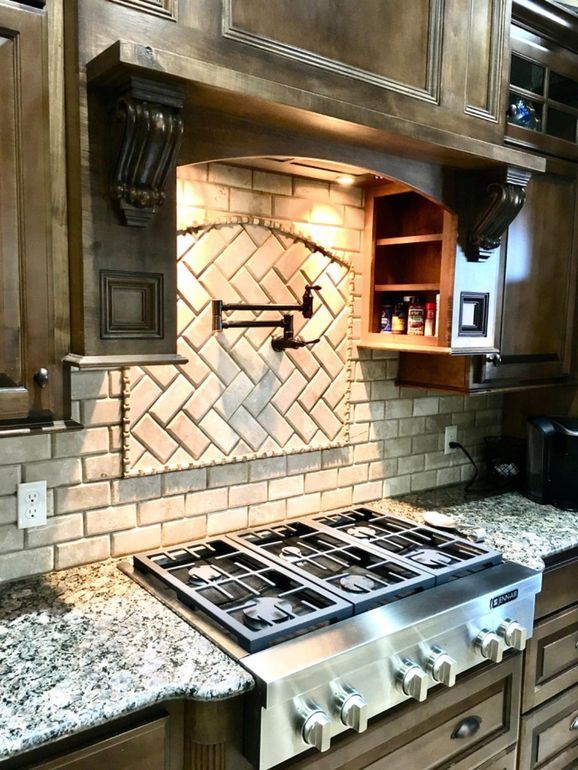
(551, 659)
(560, 585)
(398, 51)
(35, 332)
(131, 305)
(142, 748)
(549, 730)
(488, 30)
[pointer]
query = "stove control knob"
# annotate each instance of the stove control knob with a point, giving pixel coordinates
(490, 645)
(354, 713)
(317, 730)
(441, 667)
(412, 680)
(514, 634)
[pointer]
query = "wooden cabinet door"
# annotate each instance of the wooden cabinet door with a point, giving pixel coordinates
(142, 748)
(26, 304)
(540, 285)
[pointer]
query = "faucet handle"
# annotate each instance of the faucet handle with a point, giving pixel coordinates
(307, 304)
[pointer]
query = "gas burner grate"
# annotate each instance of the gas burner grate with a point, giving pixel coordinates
(359, 574)
(257, 601)
(440, 553)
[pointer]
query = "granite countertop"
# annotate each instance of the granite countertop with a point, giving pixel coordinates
(86, 645)
(523, 531)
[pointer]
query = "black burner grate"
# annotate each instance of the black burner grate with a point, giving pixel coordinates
(259, 602)
(440, 553)
(363, 576)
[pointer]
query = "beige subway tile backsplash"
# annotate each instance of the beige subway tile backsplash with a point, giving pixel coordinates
(396, 434)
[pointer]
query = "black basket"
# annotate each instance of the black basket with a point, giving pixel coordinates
(505, 458)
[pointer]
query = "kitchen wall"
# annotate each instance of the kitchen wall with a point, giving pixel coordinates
(396, 434)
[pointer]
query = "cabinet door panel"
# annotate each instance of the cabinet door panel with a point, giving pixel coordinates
(27, 342)
(13, 397)
(143, 748)
(540, 285)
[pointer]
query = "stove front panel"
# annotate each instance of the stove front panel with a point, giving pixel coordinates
(364, 655)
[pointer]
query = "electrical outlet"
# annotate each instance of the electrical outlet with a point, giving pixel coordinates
(31, 504)
(451, 435)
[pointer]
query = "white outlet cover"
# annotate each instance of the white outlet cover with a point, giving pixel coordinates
(451, 434)
(31, 504)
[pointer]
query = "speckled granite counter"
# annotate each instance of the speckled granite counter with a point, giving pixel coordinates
(523, 531)
(86, 645)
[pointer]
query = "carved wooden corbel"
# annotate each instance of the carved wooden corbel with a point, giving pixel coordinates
(151, 114)
(504, 202)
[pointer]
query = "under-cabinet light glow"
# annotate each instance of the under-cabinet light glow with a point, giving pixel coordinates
(345, 179)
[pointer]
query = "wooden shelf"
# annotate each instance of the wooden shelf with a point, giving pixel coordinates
(407, 287)
(401, 240)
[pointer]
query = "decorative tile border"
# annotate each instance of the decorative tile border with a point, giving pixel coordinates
(237, 399)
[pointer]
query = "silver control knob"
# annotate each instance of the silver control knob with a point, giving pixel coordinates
(412, 680)
(441, 667)
(514, 634)
(490, 645)
(354, 713)
(317, 730)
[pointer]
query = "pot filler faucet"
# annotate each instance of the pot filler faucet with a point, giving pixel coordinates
(288, 339)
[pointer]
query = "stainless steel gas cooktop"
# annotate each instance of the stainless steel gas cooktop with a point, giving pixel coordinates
(341, 616)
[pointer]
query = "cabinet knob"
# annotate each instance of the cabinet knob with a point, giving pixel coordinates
(412, 680)
(442, 667)
(354, 713)
(574, 724)
(514, 634)
(467, 728)
(496, 359)
(490, 645)
(41, 377)
(317, 730)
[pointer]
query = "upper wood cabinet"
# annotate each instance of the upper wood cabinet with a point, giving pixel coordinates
(537, 307)
(399, 59)
(31, 378)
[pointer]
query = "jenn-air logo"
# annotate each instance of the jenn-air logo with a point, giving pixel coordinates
(497, 601)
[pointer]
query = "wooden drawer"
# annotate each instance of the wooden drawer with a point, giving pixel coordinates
(559, 586)
(424, 736)
(142, 748)
(549, 730)
(567, 760)
(551, 660)
(506, 760)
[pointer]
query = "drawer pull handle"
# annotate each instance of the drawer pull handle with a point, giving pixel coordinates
(574, 724)
(467, 728)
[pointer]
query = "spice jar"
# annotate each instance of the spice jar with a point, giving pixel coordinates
(385, 323)
(430, 319)
(416, 317)
(399, 318)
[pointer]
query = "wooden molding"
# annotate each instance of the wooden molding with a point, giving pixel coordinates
(504, 202)
(166, 9)
(131, 305)
(489, 107)
(430, 93)
(151, 116)
(117, 362)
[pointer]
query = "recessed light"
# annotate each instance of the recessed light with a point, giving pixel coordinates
(345, 179)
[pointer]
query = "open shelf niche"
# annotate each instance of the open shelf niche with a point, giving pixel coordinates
(410, 251)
